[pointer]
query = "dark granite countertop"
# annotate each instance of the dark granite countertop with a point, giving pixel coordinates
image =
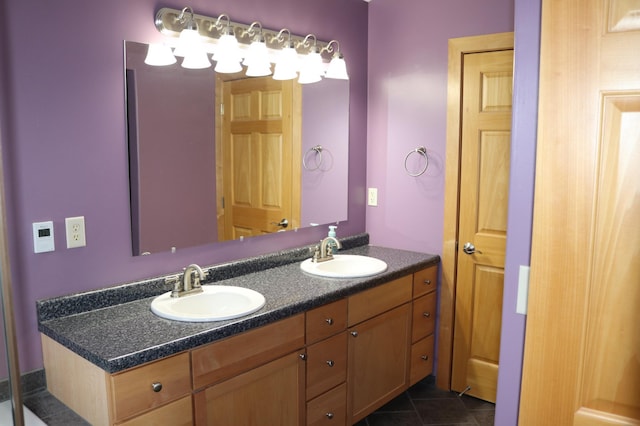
(120, 334)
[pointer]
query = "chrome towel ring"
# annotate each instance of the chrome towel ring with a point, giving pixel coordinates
(318, 157)
(423, 152)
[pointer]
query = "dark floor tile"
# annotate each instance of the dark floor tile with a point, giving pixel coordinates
(443, 411)
(472, 403)
(484, 417)
(362, 422)
(51, 411)
(426, 389)
(400, 403)
(405, 418)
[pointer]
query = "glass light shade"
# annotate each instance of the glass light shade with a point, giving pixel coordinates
(286, 65)
(337, 68)
(159, 55)
(228, 66)
(227, 49)
(311, 70)
(258, 70)
(196, 59)
(257, 60)
(188, 41)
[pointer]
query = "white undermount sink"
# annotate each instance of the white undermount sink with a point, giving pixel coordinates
(345, 266)
(215, 303)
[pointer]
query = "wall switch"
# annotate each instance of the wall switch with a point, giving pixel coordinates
(372, 197)
(75, 232)
(43, 237)
(523, 290)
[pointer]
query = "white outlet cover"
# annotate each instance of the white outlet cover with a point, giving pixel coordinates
(74, 227)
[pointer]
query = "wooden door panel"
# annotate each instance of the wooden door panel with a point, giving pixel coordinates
(484, 187)
(261, 150)
(584, 297)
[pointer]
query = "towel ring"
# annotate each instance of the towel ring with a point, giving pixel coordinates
(422, 151)
(318, 150)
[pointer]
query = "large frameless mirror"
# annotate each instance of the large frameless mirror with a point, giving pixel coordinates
(217, 157)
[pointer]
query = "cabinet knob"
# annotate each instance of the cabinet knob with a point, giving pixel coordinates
(303, 357)
(427, 282)
(157, 386)
(329, 416)
(354, 333)
(426, 314)
(329, 321)
(330, 363)
(425, 357)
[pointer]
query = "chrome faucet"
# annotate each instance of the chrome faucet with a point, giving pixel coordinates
(188, 284)
(322, 254)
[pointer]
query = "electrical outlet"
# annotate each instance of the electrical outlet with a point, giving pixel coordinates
(372, 197)
(75, 232)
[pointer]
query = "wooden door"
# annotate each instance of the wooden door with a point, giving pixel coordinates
(261, 156)
(582, 345)
(484, 187)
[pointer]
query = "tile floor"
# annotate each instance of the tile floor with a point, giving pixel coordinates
(422, 404)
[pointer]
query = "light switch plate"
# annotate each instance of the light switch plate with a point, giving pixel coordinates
(523, 290)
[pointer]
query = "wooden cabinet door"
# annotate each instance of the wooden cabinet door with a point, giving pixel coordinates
(378, 361)
(272, 394)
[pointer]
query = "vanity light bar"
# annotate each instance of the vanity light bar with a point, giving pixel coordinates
(168, 23)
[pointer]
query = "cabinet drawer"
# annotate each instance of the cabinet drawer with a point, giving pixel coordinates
(226, 358)
(178, 413)
(425, 281)
(379, 299)
(326, 364)
(421, 360)
(329, 408)
(326, 321)
(132, 391)
(424, 316)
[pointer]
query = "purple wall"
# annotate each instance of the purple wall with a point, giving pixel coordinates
(407, 108)
(521, 181)
(63, 130)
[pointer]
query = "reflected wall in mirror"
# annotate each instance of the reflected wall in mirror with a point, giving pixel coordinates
(214, 158)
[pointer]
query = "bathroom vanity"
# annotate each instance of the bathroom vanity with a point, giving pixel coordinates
(321, 351)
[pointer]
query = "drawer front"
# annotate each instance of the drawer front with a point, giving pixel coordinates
(226, 358)
(133, 391)
(328, 409)
(421, 360)
(377, 300)
(326, 321)
(326, 364)
(424, 316)
(425, 281)
(178, 413)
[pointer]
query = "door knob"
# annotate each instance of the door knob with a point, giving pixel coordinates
(283, 223)
(470, 248)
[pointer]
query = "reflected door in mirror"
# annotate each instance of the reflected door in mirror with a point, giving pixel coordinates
(260, 136)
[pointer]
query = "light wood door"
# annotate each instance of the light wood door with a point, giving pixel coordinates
(378, 361)
(261, 156)
(484, 187)
(582, 346)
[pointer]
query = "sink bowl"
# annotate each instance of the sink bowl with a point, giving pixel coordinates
(215, 303)
(345, 266)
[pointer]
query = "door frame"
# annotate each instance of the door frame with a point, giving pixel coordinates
(458, 47)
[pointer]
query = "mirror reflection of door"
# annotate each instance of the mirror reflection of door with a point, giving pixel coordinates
(259, 143)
